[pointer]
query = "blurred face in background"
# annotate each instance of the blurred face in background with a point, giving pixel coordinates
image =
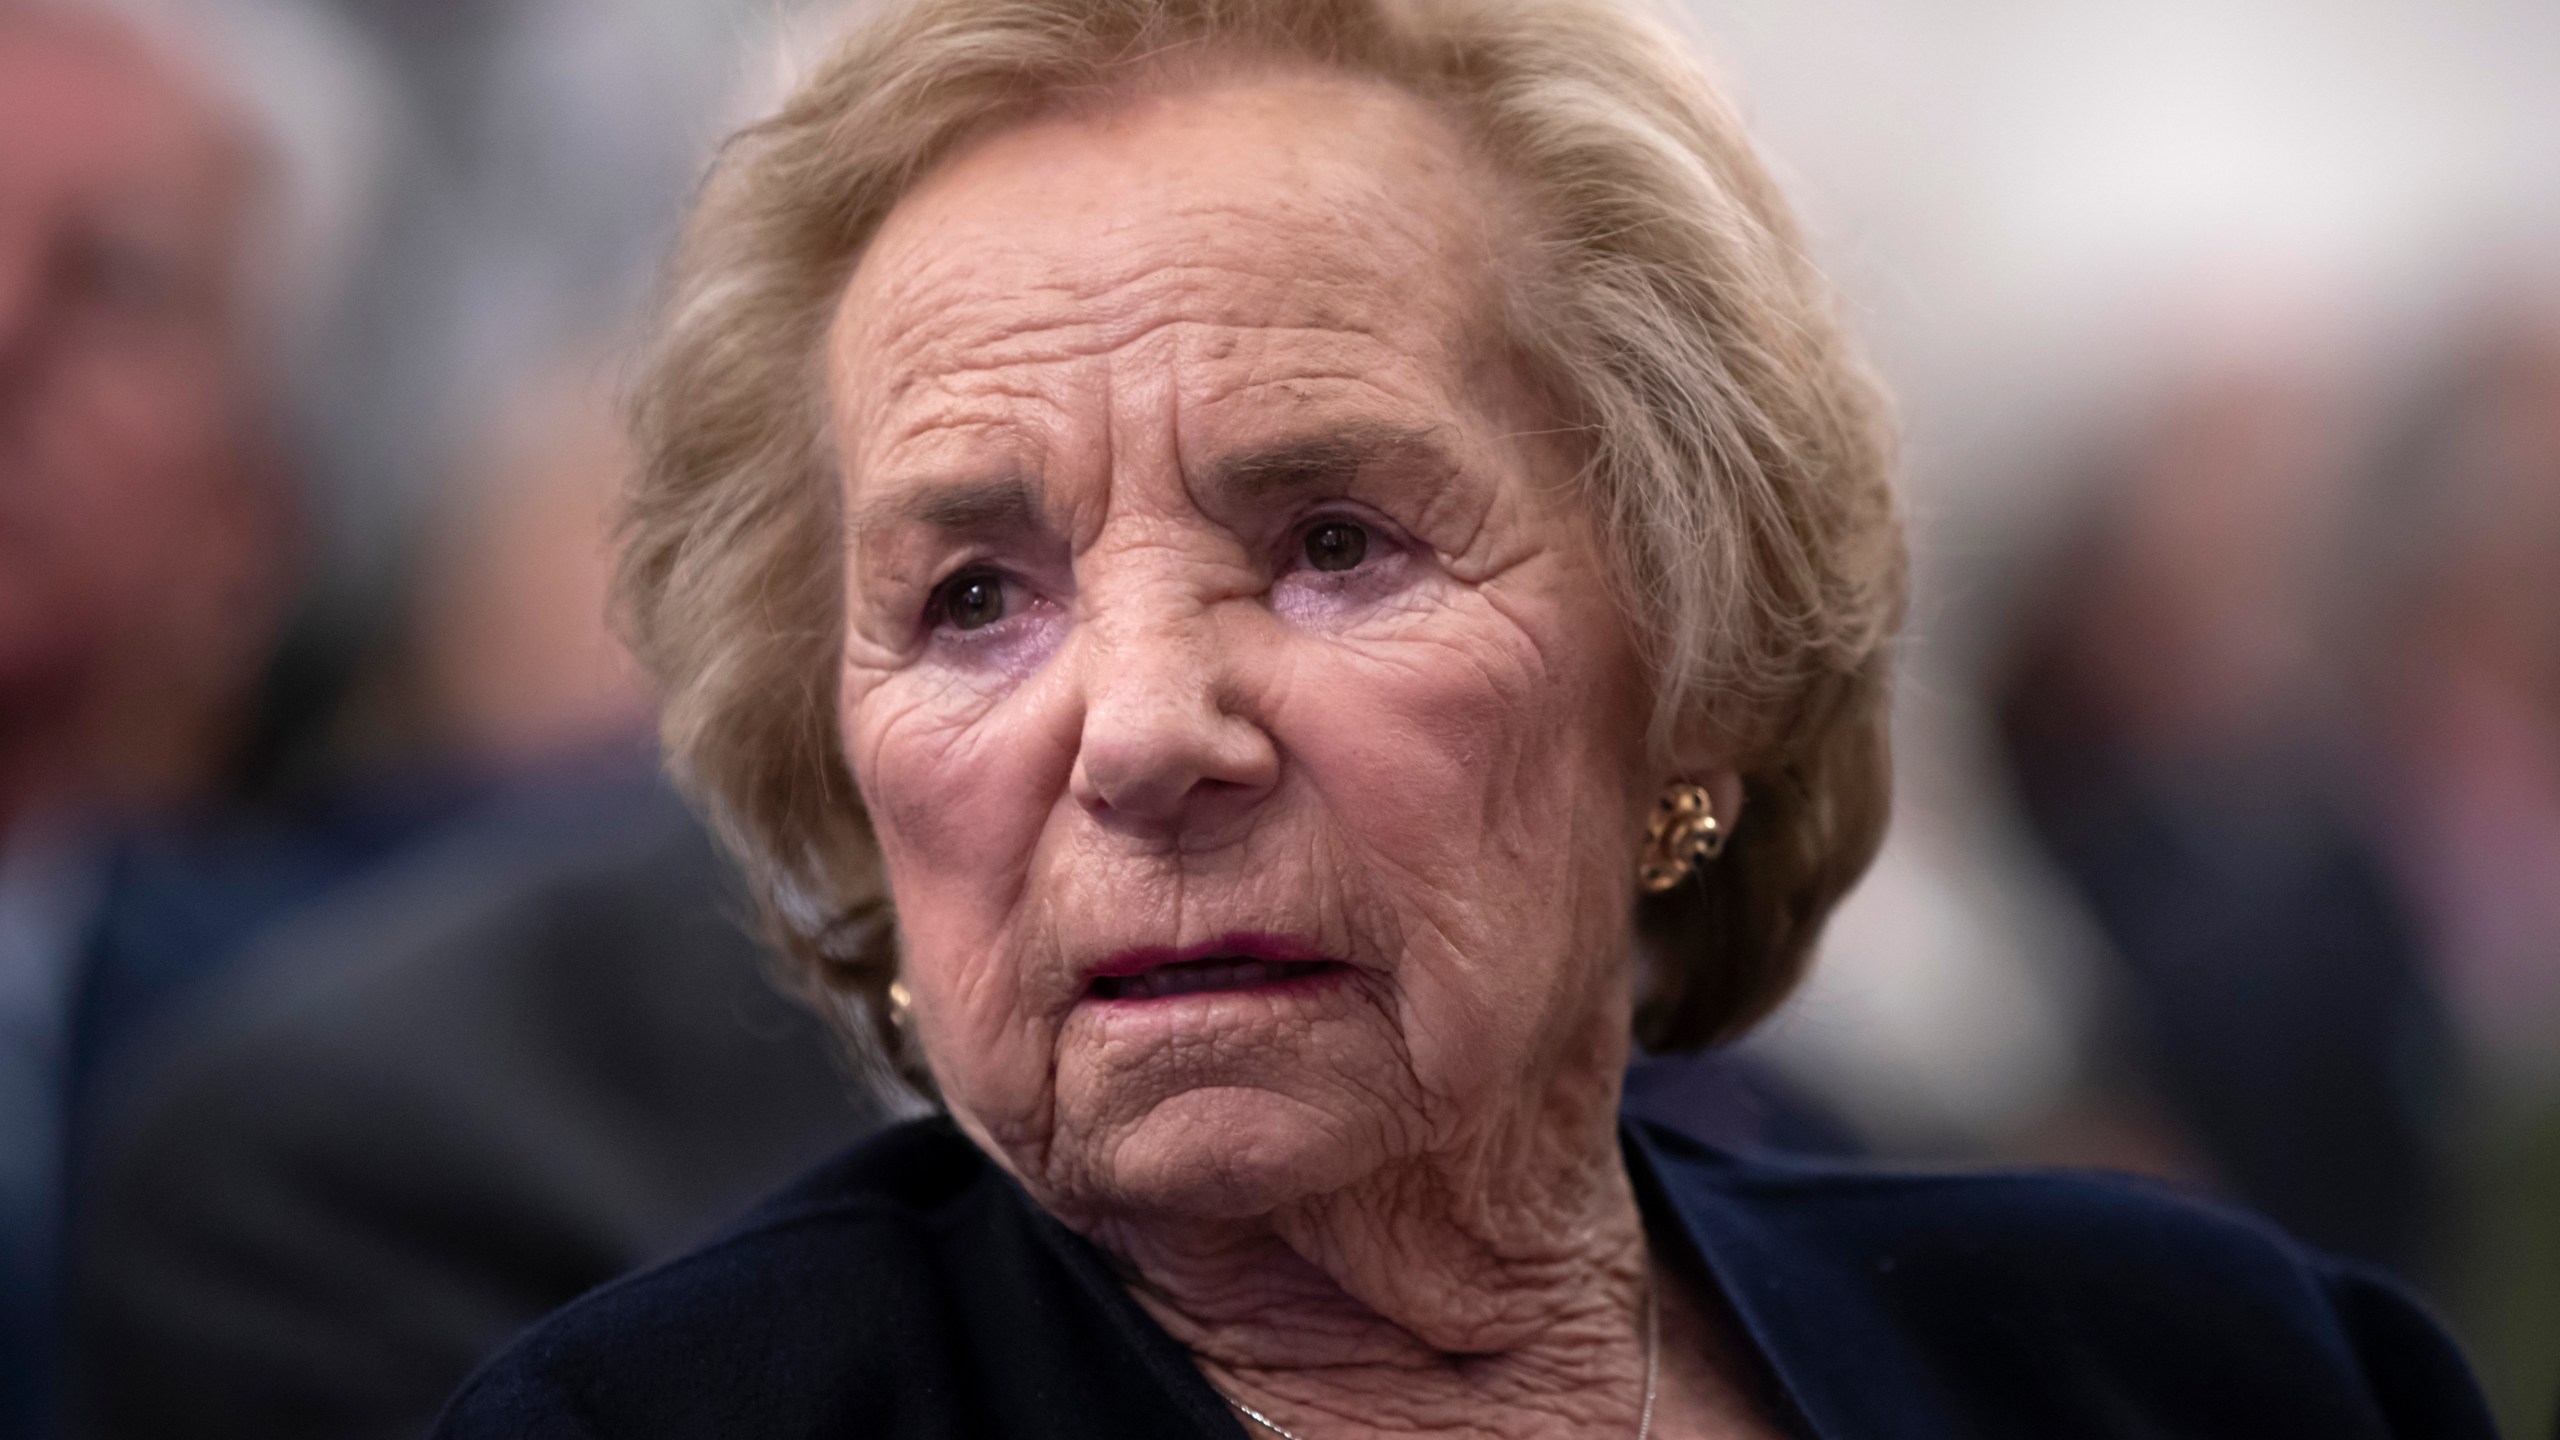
(140, 529)
(2200, 633)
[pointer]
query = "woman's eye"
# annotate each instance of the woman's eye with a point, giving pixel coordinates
(1337, 545)
(970, 601)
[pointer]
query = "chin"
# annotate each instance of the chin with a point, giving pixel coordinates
(1230, 1153)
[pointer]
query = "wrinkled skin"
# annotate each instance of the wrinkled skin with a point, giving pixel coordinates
(1118, 367)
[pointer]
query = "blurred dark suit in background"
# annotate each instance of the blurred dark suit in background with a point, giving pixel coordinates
(2167, 727)
(495, 1074)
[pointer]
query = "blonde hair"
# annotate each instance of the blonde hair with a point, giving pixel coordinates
(1738, 453)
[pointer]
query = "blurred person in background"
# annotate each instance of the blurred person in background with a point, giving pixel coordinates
(2169, 724)
(533, 1049)
(148, 529)
(515, 1062)
(2286, 708)
(161, 251)
(2452, 598)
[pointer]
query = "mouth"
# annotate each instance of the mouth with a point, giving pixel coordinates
(1230, 963)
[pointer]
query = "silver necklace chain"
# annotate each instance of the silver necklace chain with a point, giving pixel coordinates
(1652, 1375)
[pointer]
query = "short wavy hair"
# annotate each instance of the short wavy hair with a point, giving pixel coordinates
(1737, 452)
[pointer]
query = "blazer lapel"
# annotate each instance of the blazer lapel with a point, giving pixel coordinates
(1810, 1310)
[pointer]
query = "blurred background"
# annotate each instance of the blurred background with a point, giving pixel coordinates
(364, 994)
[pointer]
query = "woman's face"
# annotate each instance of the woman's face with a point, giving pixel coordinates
(1229, 671)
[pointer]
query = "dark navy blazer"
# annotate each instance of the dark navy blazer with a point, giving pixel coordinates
(909, 1289)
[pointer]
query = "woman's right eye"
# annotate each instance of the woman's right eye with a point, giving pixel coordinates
(1336, 545)
(970, 600)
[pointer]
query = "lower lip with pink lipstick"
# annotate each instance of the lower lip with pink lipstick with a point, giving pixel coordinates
(1228, 963)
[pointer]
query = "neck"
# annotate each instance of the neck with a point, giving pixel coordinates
(1495, 1286)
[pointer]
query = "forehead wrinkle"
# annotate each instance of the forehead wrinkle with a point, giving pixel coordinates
(974, 326)
(928, 334)
(983, 335)
(962, 298)
(1345, 208)
(947, 407)
(968, 288)
(1374, 393)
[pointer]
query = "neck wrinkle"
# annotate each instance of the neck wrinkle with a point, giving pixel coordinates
(1495, 1290)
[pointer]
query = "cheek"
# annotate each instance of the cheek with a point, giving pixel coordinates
(1477, 769)
(1471, 742)
(958, 792)
(167, 408)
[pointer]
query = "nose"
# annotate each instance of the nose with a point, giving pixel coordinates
(1163, 744)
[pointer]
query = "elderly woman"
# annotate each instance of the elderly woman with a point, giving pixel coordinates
(1328, 563)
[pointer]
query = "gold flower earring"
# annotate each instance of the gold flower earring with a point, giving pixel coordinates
(1683, 833)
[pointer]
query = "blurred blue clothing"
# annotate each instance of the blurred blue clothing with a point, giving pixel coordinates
(49, 878)
(179, 903)
(518, 1060)
(101, 931)
(98, 928)
(2291, 1021)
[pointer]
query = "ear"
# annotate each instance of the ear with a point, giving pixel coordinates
(1724, 788)
(1702, 755)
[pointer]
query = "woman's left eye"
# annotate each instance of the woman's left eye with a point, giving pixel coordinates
(1337, 545)
(971, 600)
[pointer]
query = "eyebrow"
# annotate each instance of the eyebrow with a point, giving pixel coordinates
(1010, 504)
(1326, 462)
(1000, 505)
